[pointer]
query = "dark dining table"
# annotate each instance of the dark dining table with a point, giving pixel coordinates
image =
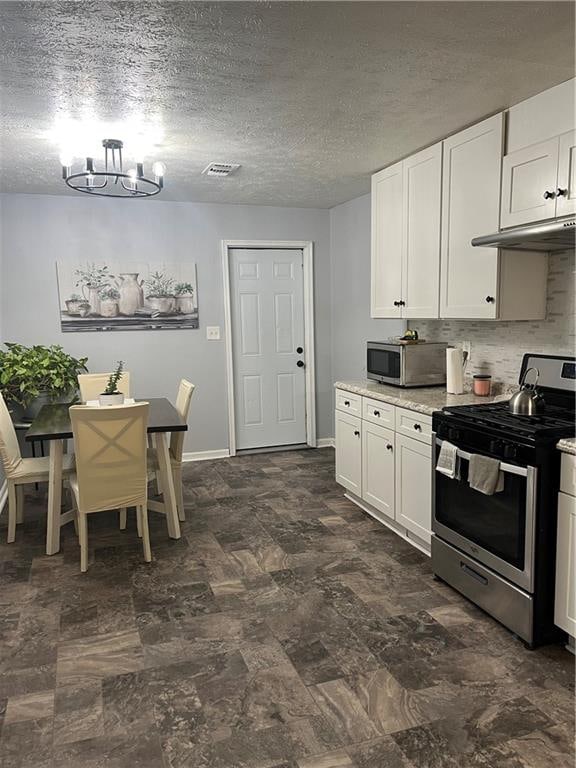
(53, 425)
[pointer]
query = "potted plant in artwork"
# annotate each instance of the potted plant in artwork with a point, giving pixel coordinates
(184, 293)
(111, 395)
(30, 377)
(76, 305)
(93, 278)
(109, 298)
(160, 293)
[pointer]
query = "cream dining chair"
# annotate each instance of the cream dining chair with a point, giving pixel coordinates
(20, 472)
(183, 400)
(93, 384)
(111, 472)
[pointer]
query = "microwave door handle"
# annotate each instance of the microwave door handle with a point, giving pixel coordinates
(512, 469)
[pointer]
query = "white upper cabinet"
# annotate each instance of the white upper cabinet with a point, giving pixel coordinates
(386, 282)
(470, 207)
(566, 191)
(406, 236)
(538, 182)
(422, 174)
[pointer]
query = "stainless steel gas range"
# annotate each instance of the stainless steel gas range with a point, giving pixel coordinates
(499, 550)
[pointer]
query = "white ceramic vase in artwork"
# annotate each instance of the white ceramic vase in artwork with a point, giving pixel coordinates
(185, 304)
(94, 300)
(108, 308)
(131, 293)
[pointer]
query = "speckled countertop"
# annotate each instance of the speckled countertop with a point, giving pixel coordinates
(567, 445)
(421, 399)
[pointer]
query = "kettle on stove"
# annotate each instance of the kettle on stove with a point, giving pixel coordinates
(527, 401)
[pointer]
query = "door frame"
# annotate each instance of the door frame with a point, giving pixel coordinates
(307, 248)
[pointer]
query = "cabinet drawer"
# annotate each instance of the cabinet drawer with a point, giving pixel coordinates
(348, 402)
(568, 474)
(378, 412)
(413, 424)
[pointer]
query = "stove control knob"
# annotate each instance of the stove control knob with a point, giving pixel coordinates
(495, 446)
(510, 451)
(453, 434)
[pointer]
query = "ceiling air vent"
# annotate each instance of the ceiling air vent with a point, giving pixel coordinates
(220, 169)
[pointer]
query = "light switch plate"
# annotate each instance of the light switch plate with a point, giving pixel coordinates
(213, 332)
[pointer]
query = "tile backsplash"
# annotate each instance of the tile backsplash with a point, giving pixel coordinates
(498, 347)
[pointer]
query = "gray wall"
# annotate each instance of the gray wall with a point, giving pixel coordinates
(38, 230)
(352, 325)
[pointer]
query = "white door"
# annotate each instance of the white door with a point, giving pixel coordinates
(378, 468)
(348, 442)
(267, 315)
(414, 486)
(386, 277)
(566, 192)
(470, 207)
(565, 602)
(422, 175)
(529, 184)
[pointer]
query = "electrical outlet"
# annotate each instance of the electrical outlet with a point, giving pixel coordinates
(467, 347)
(213, 332)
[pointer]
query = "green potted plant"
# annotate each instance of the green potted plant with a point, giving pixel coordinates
(111, 395)
(160, 293)
(184, 293)
(109, 298)
(93, 279)
(30, 377)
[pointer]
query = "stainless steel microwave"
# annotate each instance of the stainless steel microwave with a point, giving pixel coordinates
(407, 365)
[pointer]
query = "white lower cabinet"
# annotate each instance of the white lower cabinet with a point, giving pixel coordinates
(414, 486)
(349, 452)
(389, 473)
(565, 600)
(378, 468)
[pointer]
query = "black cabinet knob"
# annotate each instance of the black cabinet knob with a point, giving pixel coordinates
(377, 413)
(402, 303)
(418, 427)
(396, 303)
(347, 403)
(561, 192)
(299, 350)
(490, 299)
(357, 434)
(549, 195)
(389, 447)
(300, 364)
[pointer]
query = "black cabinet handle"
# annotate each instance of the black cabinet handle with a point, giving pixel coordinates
(299, 350)
(388, 447)
(549, 195)
(402, 303)
(490, 299)
(561, 192)
(377, 413)
(347, 403)
(357, 433)
(418, 427)
(300, 364)
(396, 303)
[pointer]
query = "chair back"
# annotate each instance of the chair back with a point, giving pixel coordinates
(183, 399)
(93, 384)
(9, 447)
(110, 448)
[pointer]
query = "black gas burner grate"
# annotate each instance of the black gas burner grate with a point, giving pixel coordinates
(553, 419)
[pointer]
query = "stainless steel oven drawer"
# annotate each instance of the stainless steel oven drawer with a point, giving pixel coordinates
(498, 597)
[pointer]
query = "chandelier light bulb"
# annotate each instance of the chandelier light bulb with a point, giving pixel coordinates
(159, 169)
(66, 159)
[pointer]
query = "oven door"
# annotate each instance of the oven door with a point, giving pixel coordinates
(496, 530)
(384, 363)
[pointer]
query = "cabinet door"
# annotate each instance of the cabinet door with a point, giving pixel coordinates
(422, 191)
(386, 280)
(378, 468)
(529, 184)
(349, 452)
(565, 602)
(566, 191)
(470, 207)
(414, 486)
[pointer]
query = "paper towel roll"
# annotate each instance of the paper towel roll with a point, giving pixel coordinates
(454, 371)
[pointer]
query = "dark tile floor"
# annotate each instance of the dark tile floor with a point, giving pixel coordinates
(286, 629)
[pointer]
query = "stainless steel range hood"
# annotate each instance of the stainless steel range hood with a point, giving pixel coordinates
(555, 235)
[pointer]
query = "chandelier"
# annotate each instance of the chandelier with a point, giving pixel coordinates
(113, 181)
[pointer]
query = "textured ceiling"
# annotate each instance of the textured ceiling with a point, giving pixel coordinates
(309, 97)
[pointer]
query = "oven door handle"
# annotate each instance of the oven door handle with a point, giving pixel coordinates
(512, 469)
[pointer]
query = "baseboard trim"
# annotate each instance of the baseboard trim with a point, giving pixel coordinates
(325, 442)
(221, 453)
(3, 495)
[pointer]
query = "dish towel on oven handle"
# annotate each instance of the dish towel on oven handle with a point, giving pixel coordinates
(447, 462)
(485, 475)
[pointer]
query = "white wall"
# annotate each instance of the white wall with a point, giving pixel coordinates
(352, 325)
(38, 230)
